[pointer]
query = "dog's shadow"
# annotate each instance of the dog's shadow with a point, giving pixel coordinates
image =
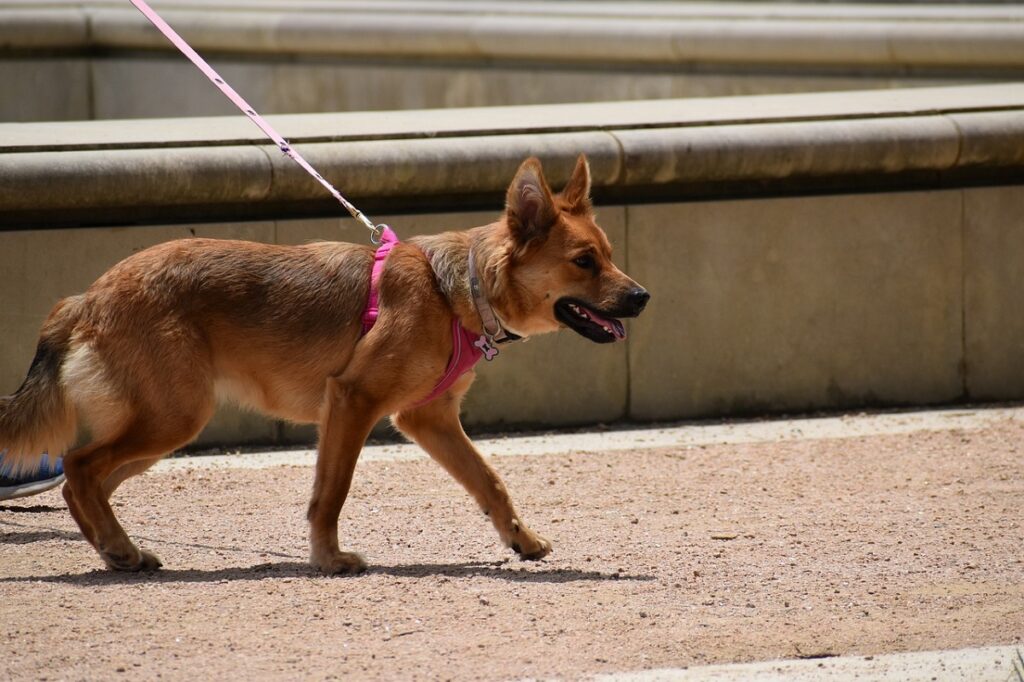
(41, 535)
(31, 534)
(30, 509)
(295, 569)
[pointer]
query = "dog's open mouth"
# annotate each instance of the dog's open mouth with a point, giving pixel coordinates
(588, 322)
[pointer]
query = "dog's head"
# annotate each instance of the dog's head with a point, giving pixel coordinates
(556, 267)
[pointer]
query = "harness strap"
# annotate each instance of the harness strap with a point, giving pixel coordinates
(467, 347)
(465, 354)
(388, 240)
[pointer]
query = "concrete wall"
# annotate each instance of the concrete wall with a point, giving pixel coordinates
(798, 303)
(113, 87)
(62, 60)
(993, 256)
(759, 305)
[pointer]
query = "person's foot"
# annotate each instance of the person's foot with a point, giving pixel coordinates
(45, 476)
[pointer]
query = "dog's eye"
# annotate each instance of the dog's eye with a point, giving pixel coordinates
(586, 262)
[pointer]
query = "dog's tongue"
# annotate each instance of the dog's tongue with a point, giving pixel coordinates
(618, 331)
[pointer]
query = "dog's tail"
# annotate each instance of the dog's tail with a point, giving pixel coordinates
(38, 418)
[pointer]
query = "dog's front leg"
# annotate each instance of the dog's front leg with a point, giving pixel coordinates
(348, 416)
(436, 428)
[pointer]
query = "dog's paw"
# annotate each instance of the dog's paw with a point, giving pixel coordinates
(340, 563)
(150, 561)
(527, 544)
(539, 549)
(132, 560)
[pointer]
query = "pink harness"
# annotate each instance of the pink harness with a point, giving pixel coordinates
(467, 347)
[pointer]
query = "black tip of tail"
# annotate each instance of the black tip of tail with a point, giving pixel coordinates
(46, 362)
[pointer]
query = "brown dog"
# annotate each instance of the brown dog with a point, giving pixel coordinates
(143, 355)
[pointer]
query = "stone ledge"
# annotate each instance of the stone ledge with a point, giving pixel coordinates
(217, 168)
(509, 120)
(915, 36)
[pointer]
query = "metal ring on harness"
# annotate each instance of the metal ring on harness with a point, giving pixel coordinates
(376, 233)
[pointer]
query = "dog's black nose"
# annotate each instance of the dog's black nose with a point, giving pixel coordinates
(638, 298)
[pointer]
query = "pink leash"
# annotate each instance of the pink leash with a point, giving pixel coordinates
(467, 348)
(246, 108)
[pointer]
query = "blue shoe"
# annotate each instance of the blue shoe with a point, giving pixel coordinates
(43, 478)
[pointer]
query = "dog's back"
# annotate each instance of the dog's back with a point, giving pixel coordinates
(182, 324)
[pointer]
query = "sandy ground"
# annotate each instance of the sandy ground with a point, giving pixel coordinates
(666, 557)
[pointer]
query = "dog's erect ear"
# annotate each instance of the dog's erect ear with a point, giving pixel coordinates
(577, 190)
(529, 205)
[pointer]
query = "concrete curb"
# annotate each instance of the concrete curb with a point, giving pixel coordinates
(988, 664)
(692, 435)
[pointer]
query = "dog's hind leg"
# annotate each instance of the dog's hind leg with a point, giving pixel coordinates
(95, 470)
(126, 471)
(436, 428)
(119, 476)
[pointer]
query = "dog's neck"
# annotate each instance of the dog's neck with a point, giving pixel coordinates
(493, 329)
(449, 254)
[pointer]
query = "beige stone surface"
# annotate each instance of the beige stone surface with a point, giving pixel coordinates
(127, 88)
(134, 177)
(792, 304)
(320, 58)
(980, 102)
(33, 27)
(788, 149)
(441, 166)
(990, 138)
(695, 9)
(132, 88)
(577, 34)
(475, 151)
(44, 89)
(994, 292)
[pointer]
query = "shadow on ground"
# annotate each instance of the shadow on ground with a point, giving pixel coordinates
(295, 569)
(33, 509)
(44, 535)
